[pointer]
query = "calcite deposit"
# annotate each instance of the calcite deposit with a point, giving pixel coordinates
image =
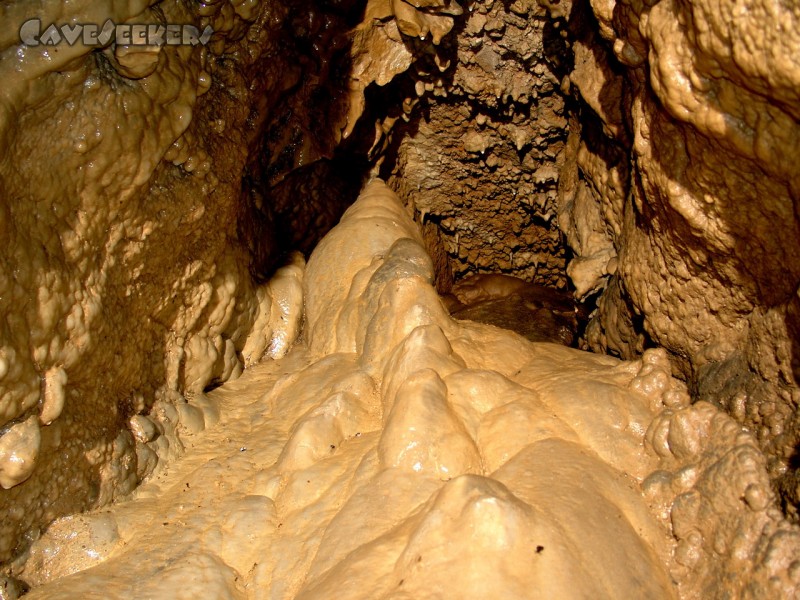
(399, 453)
(133, 254)
(680, 200)
(383, 428)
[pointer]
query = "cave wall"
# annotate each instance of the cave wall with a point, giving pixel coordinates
(681, 154)
(643, 151)
(146, 192)
(130, 243)
(482, 159)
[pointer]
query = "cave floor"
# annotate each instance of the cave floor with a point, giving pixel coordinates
(205, 503)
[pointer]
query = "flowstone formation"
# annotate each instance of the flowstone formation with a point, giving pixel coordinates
(158, 207)
(399, 453)
(638, 151)
(149, 193)
(133, 245)
(680, 197)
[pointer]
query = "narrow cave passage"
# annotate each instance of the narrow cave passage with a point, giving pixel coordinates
(288, 311)
(472, 136)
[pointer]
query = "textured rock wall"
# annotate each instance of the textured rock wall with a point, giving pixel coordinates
(125, 285)
(144, 193)
(680, 197)
(148, 194)
(481, 157)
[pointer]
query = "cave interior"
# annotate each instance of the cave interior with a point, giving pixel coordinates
(400, 298)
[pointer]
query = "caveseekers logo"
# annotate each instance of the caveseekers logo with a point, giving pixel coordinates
(91, 34)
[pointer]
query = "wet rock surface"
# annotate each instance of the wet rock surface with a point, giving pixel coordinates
(137, 239)
(639, 155)
(398, 449)
(679, 205)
